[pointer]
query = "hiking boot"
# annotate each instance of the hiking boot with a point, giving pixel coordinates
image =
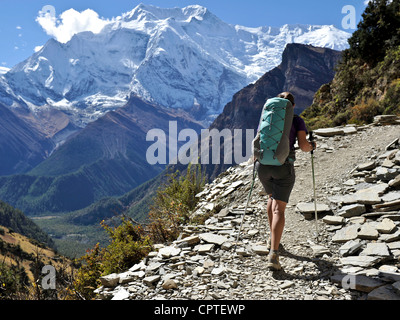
(273, 261)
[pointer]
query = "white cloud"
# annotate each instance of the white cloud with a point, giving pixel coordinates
(19, 27)
(70, 22)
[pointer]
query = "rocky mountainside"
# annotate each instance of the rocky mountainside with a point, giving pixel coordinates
(107, 158)
(22, 146)
(355, 256)
(304, 69)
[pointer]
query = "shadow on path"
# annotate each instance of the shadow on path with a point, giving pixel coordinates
(325, 268)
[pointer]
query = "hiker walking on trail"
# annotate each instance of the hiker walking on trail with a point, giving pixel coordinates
(274, 153)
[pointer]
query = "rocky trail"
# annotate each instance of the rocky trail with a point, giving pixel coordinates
(357, 253)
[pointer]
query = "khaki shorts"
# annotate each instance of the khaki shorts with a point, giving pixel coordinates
(278, 181)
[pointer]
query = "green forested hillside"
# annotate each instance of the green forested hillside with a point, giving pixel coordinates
(15, 220)
(367, 81)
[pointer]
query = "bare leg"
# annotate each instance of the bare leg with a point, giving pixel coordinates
(269, 212)
(276, 219)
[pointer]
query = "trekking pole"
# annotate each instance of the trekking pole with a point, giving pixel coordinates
(248, 200)
(313, 177)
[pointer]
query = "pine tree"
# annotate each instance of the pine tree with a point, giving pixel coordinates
(378, 31)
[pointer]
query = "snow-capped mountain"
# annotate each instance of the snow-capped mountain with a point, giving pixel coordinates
(181, 58)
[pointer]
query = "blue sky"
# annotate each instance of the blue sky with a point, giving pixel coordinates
(20, 33)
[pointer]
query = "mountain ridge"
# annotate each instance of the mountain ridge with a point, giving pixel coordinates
(107, 158)
(158, 54)
(182, 58)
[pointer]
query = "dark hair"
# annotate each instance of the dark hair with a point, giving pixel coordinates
(288, 96)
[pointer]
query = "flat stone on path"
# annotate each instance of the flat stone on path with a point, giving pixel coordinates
(191, 240)
(333, 220)
(367, 197)
(360, 261)
(260, 250)
(213, 238)
(308, 209)
(151, 280)
(386, 226)
(204, 248)
(350, 247)
(319, 250)
(376, 249)
(329, 132)
(352, 210)
(368, 232)
(121, 294)
(169, 252)
(346, 234)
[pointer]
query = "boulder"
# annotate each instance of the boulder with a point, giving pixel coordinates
(367, 166)
(110, 280)
(169, 284)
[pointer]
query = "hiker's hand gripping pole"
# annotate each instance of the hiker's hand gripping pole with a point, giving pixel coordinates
(311, 138)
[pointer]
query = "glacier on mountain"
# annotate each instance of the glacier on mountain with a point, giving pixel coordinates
(180, 58)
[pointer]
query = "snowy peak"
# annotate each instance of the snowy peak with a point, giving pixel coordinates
(196, 11)
(153, 13)
(325, 37)
(176, 57)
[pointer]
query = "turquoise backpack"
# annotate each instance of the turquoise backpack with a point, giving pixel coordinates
(271, 146)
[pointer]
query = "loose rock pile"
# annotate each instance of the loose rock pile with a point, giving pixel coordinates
(366, 224)
(356, 255)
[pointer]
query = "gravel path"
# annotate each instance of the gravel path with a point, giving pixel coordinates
(305, 277)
